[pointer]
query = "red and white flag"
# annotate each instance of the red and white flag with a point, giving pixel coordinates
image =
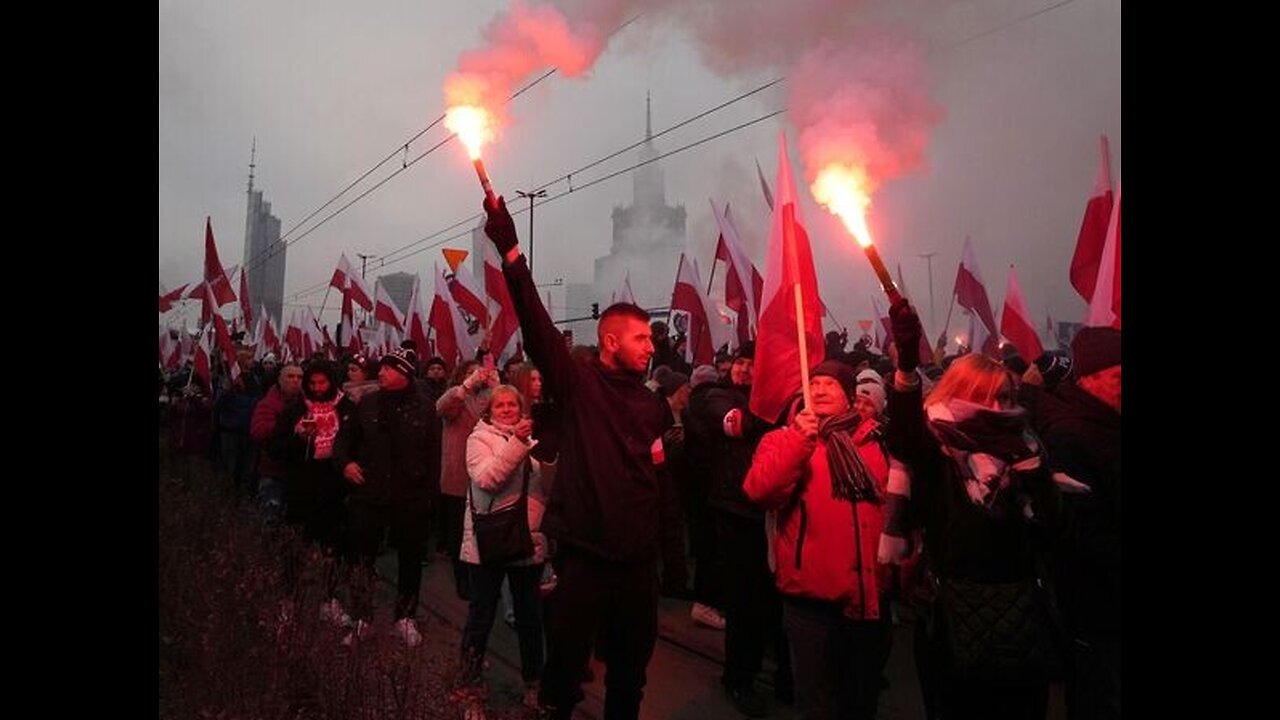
(1104, 310)
(1093, 229)
(505, 322)
(215, 276)
(415, 323)
(452, 337)
(201, 365)
(1016, 323)
(293, 335)
(350, 332)
(168, 299)
(789, 263)
(384, 310)
(743, 285)
(270, 334)
(971, 294)
(314, 338)
(346, 279)
(468, 297)
(173, 356)
(687, 297)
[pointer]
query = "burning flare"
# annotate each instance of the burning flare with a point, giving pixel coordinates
(842, 189)
(474, 126)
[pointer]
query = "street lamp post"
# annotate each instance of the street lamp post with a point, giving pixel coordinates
(532, 195)
(928, 258)
(364, 261)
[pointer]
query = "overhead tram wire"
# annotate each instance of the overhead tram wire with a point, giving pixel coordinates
(253, 262)
(389, 257)
(383, 262)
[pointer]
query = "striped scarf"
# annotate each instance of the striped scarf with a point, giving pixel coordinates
(988, 447)
(850, 479)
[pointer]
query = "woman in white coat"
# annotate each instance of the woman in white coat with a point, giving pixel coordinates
(498, 460)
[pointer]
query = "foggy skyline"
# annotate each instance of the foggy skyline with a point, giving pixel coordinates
(328, 89)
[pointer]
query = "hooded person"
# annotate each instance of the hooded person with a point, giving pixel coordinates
(315, 493)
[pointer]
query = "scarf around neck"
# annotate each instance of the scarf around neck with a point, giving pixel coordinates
(850, 479)
(988, 447)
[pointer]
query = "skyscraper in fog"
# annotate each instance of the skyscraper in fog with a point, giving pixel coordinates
(264, 253)
(648, 237)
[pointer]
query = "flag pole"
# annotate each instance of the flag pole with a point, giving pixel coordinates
(326, 299)
(793, 264)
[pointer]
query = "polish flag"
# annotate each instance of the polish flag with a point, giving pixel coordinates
(447, 321)
(687, 297)
(788, 265)
(739, 275)
(971, 294)
(1093, 229)
(1016, 324)
(348, 281)
(505, 322)
(384, 309)
(1104, 310)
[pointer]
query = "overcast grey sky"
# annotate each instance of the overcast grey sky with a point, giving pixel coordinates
(329, 88)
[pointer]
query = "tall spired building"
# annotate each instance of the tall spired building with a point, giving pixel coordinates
(648, 237)
(264, 252)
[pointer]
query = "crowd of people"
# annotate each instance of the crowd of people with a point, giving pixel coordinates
(570, 489)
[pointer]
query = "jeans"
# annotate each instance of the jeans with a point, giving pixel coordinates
(486, 584)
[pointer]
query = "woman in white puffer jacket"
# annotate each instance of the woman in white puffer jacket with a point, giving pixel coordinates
(497, 460)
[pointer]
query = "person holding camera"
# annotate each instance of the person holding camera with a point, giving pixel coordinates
(504, 495)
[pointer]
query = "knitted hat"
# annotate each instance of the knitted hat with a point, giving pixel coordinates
(1054, 367)
(402, 360)
(871, 386)
(841, 372)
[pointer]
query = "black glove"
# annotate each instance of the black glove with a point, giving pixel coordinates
(499, 226)
(906, 334)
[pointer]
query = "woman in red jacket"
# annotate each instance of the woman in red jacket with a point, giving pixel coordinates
(825, 475)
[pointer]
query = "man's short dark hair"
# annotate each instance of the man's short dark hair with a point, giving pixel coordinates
(624, 309)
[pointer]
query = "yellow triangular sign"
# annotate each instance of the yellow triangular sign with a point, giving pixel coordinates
(454, 258)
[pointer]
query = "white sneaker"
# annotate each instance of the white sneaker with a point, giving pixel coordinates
(407, 630)
(333, 612)
(361, 630)
(707, 615)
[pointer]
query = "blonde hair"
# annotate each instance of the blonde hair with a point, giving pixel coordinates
(973, 377)
(511, 389)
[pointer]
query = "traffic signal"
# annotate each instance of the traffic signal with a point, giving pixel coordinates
(595, 311)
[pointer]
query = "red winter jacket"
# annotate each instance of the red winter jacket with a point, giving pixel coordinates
(825, 547)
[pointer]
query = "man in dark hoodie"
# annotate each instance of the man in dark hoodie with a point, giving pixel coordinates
(612, 510)
(1080, 423)
(722, 420)
(389, 450)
